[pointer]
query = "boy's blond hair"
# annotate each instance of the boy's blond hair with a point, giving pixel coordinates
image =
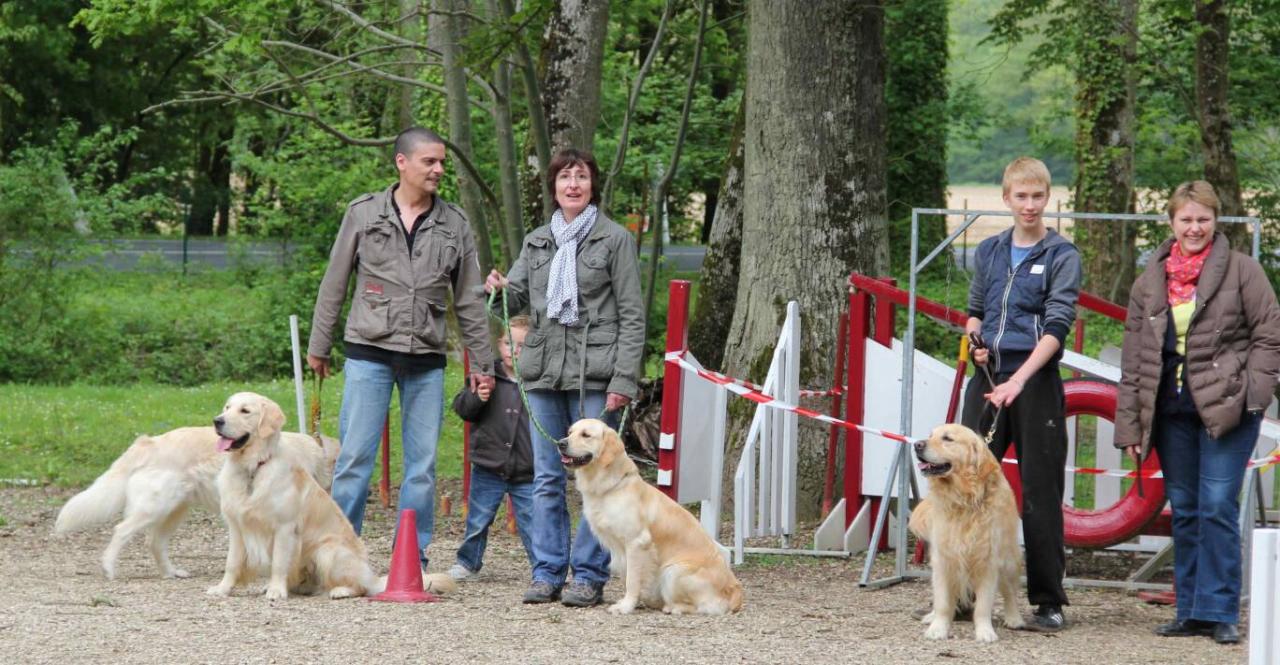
(1026, 170)
(1196, 190)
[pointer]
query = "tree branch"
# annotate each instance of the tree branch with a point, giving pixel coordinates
(620, 155)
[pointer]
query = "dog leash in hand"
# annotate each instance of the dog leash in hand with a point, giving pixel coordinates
(314, 423)
(977, 342)
(515, 364)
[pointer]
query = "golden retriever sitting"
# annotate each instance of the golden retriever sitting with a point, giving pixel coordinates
(667, 559)
(970, 521)
(158, 479)
(281, 522)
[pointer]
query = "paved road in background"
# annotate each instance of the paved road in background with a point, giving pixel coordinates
(220, 254)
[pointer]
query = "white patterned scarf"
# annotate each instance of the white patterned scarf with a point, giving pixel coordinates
(562, 284)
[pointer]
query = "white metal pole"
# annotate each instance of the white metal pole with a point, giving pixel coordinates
(297, 373)
(1264, 606)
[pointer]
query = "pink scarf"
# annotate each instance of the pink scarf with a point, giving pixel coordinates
(1183, 272)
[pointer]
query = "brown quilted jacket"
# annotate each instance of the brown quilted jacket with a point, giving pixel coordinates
(1233, 344)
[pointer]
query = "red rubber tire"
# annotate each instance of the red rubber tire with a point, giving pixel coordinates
(1125, 518)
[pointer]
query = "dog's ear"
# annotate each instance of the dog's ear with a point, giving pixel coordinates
(610, 447)
(272, 421)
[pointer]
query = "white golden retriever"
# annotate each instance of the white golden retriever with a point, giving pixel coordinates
(970, 521)
(668, 560)
(158, 479)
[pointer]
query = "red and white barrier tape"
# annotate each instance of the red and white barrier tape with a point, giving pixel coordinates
(756, 394)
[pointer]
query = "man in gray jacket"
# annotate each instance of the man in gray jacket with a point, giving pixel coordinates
(407, 249)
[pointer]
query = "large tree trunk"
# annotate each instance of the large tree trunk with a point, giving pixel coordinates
(916, 103)
(451, 32)
(411, 29)
(814, 187)
(718, 280)
(570, 66)
(1212, 86)
(1105, 58)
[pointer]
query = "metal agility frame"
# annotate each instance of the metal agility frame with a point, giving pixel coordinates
(900, 470)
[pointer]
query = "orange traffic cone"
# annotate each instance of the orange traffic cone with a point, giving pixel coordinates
(404, 583)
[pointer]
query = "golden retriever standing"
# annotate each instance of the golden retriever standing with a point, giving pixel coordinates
(280, 521)
(668, 561)
(970, 521)
(158, 479)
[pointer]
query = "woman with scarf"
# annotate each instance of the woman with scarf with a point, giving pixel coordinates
(1199, 365)
(579, 279)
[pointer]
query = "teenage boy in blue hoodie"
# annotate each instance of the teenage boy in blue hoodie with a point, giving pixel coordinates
(1022, 301)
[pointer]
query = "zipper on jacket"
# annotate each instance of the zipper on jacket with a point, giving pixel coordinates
(1004, 316)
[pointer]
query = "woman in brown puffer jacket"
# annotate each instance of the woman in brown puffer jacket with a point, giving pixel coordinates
(1199, 365)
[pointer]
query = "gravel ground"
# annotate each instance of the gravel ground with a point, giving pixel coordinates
(55, 607)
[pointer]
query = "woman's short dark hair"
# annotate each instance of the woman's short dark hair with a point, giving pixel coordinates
(569, 157)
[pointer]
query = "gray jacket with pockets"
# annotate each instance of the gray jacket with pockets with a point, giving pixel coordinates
(400, 299)
(609, 335)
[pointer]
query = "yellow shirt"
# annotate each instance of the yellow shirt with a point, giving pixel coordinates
(1181, 322)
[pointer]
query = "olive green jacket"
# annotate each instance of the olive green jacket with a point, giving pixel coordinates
(606, 346)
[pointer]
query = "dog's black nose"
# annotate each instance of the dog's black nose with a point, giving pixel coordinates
(217, 422)
(562, 443)
(919, 446)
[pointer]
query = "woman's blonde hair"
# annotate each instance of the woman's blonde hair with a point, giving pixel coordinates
(1195, 190)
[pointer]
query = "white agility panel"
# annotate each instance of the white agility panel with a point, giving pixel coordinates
(1264, 604)
(764, 484)
(932, 381)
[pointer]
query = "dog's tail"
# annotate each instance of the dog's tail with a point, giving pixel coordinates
(105, 498)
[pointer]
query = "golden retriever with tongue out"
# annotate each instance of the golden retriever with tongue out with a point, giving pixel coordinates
(668, 560)
(970, 521)
(280, 521)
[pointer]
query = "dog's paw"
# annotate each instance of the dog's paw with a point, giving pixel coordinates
(178, 573)
(276, 593)
(927, 619)
(622, 607)
(339, 592)
(219, 591)
(985, 634)
(1014, 620)
(938, 630)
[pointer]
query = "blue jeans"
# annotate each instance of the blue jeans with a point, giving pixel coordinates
(1202, 477)
(487, 490)
(366, 398)
(552, 554)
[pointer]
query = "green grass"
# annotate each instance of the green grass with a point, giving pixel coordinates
(68, 435)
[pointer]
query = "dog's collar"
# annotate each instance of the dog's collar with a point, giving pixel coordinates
(620, 481)
(254, 474)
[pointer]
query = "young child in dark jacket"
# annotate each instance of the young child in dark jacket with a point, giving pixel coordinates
(501, 456)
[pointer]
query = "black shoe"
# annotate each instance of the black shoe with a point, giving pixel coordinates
(1226, 633)
(582, 594)
(541, 592)
(1047, 619)
(1185, 628)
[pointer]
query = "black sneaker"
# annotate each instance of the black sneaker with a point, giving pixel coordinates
(582, 594)
(541, 592)
(1047, 619)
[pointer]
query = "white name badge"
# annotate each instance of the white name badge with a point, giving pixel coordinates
(1037, 269)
